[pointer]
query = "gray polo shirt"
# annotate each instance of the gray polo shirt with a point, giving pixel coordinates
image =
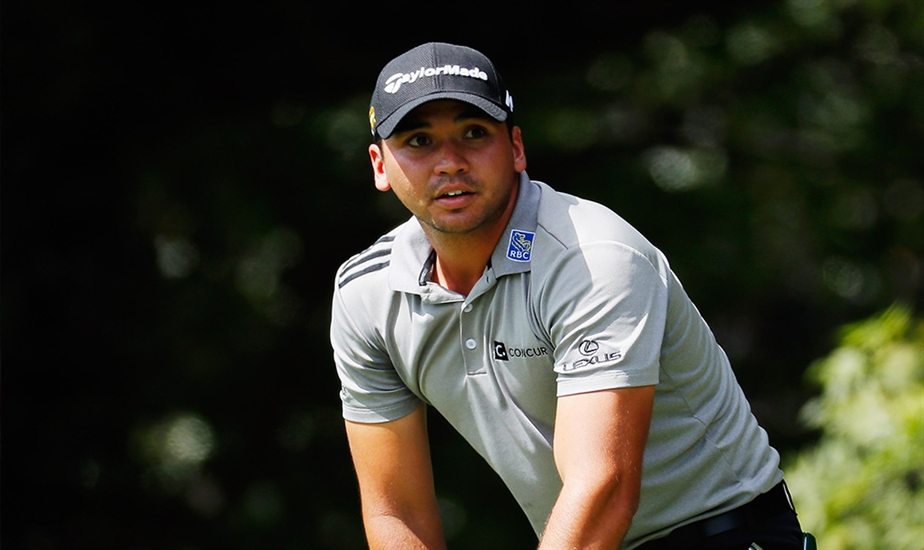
(574, 300)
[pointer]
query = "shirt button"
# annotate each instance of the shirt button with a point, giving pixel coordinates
(471, 343)
(467, 308)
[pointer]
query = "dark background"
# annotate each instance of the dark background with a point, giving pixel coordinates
(180, 182)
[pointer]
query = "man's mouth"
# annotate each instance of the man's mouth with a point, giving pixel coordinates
(455, 199)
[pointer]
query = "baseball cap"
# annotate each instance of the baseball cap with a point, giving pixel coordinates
(436, 70)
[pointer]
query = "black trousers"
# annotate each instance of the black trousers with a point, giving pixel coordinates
(769, 521)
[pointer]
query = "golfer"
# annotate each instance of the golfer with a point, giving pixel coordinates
(549, 332)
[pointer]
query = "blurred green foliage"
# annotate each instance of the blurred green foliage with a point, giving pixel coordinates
(862, 485)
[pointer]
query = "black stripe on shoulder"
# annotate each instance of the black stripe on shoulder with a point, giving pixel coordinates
(366, 257)
(374, 252)
(372, 268)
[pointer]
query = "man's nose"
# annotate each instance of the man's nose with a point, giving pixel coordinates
(452, 159)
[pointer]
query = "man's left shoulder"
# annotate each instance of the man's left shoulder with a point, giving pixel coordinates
(573, 221)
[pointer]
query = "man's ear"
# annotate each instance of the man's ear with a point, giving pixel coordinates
(376, 155)
(519, 150)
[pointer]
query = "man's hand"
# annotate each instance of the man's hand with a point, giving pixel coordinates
(392, 463)
(599, 442)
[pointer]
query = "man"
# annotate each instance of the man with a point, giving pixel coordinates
(546, 330)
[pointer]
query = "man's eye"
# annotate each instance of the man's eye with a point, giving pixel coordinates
(418, 141)
(476, 132)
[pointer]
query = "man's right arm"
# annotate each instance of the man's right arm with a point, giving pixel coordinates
(392, 462)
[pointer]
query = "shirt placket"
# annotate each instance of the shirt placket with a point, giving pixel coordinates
(470, 339)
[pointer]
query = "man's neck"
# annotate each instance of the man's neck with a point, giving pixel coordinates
(459, 266)
(462, 258)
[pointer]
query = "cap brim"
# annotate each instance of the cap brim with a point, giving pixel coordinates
(385, 127)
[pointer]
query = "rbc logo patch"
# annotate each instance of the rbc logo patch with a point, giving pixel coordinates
(521, 245)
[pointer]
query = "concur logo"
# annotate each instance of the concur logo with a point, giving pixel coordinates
(394, 82)
(503, 353)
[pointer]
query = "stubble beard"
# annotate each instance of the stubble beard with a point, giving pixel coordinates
(493, 214)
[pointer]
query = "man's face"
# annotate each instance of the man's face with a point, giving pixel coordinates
(452, 166)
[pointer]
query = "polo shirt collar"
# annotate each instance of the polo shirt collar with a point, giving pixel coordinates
(512, 253)
(410, 255)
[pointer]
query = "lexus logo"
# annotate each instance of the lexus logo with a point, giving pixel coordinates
(589, 347)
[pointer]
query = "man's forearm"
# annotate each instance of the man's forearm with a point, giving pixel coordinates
(599, 443)
(388, 532)
(398, 498)
(588, 519)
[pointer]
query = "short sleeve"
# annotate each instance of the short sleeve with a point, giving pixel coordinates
(604, 306)
(371, 389)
